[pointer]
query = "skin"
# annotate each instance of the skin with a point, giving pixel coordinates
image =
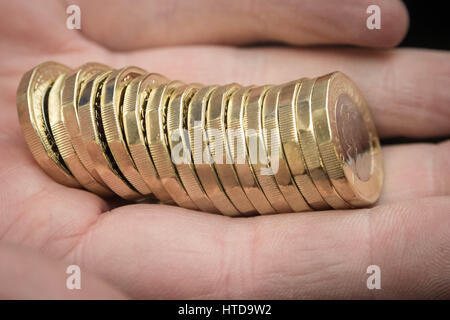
(156, 251)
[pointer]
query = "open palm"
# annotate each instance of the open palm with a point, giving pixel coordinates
(157, 251)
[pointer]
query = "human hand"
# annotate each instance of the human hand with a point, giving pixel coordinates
(158, 251)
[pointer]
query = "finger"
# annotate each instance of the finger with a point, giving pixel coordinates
(406, 89)
(415, 171)
(124, 26)
(412, 171)
(41, 28)
(169, 252)
(26, 274)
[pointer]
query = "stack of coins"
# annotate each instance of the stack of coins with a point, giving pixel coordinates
(309, 144)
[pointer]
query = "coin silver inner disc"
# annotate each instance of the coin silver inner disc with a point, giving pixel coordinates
(354, 137)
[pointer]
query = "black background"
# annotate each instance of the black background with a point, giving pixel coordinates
(428, 25)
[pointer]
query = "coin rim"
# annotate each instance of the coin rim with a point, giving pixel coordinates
(216, 111)
(271, 123)
(29, 110)
(64, 143)
(111, 106)
(308, 144)
(70, 92)
(252, 120)
(155, 121)
(247, 177)
(96, 146)
(176, 116)
(209, 179)
(133, 115)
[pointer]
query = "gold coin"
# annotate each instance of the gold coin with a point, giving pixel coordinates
(111, 100)
(94, 140)
(291, 141)
(179, 146)
(347, 139)
(134, 109)
(216, 132)
(32, 107)
(239, 155)
(275, 149)
(308, 143)
(64, 144)
(256, 149)
(74, 151)
(200, 152)
(155, 121)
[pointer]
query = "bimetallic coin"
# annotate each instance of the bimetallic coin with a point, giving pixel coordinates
(216, 132)
(311, 153)
(347, 139)
(156, 125)
(111, 112)
(32, 107)
(64, 143)
(77, 152)
(200, 152)
(179, 145)
(134, 109)
(239, 154)
(275, 150)
(255, 143)
(93, 136)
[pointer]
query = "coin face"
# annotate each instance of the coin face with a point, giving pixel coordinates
(134, 109)
(32, 105)
(347, 139)
(354, 137)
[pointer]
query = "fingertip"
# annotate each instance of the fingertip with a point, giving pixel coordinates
(391, 27)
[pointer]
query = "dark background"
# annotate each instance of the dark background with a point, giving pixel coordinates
(428, 25)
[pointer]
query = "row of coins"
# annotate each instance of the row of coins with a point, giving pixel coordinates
(308, 144)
